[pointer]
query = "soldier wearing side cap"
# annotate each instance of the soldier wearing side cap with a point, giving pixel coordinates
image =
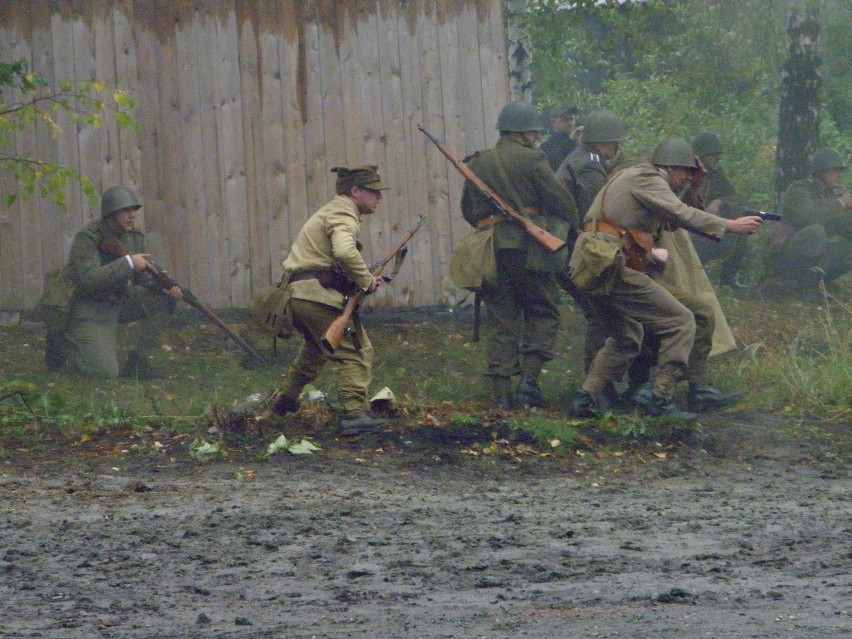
(323, 267)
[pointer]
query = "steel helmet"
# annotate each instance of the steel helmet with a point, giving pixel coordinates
(707, 143)
(674, 151)
(117, 198)
(826, 159)
(603, 126)
(518, 117)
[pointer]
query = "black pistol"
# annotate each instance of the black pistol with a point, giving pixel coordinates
(773, 217)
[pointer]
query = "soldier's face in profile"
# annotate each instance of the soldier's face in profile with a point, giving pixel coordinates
(678, 176)
(365, 199)
(122, 221)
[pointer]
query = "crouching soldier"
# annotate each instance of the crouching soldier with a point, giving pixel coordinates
(112, 285)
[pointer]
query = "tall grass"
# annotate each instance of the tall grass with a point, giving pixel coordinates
(811, 372)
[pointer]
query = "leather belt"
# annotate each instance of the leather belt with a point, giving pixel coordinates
(605, 227)
(303, 275)
(531, 211)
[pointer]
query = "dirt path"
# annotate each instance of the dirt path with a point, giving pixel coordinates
(740, 533)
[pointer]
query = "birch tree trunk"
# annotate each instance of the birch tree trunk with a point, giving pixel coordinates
(519, 50)
(799, 115)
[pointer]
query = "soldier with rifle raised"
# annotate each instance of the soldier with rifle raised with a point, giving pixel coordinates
(323, 270)
(522, 302)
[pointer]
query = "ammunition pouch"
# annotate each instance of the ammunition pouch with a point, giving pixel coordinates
(335, 278)
(56, 299)
(637, 245)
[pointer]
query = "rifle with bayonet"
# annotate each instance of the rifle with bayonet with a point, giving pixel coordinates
(113, 247)
(340, 327)
(543, 237)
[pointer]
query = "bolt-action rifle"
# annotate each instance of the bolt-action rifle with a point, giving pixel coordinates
(546, 239)
(113, 247)
(340, 327)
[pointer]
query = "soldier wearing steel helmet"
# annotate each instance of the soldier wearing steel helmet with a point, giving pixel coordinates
(644, 198)
(110, 290)
(722, 199)
(523, 312)
(583, 173)
(814, 240)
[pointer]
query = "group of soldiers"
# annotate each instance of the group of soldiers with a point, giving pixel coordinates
(648, 322)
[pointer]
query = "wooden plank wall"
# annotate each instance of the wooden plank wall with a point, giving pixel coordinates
(244, 106)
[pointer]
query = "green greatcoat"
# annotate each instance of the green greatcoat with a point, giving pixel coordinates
(523, 313)
(107, 293)
(816, 232)
(639, 198)
(329, 237)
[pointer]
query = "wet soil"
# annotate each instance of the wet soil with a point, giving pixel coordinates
(741, 531)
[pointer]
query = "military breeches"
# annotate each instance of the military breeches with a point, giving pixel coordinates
(92, 328)
(638, 305)
(354, 356)
(522, 320)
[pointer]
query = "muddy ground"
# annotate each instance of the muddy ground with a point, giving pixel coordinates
(741, 531)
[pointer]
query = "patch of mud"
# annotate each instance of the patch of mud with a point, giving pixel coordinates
(742, 532)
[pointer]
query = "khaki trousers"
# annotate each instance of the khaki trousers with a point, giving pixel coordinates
(92, 329)
(638, 305)
(353, 358)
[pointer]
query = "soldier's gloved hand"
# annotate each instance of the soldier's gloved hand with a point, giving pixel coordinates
(175, 293)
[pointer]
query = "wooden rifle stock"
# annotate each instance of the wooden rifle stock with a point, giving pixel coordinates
(339, 327)
(115, 248)
(540, 235)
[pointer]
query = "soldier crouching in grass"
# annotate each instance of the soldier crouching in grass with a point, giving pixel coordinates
(324, 267)
(113, 285)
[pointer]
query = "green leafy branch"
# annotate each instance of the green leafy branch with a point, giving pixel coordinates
(84, 103)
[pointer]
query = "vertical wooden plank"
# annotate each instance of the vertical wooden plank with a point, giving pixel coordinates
(472, 79)
(147, 45)
(166, 228)
(62, 35)
(448, 183)
(88, 139)
(191, 206)
(104, 70)
(127, 77)
(292, 56)
(272, 172)
(231, 150)
(213, 228)
(349, 31)
(249, 20)
(14, 263)
(495, 75)
(53, 219)
(331, 99)
(395, 213)
(318, 178)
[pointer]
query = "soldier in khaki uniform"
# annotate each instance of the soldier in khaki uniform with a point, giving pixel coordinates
(816, 232)
(110, 290)
(323, 267)
(644, 198)
(523, 312)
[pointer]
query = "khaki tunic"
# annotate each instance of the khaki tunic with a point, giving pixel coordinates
(639, 198)
(329, 237)
(107, 293)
